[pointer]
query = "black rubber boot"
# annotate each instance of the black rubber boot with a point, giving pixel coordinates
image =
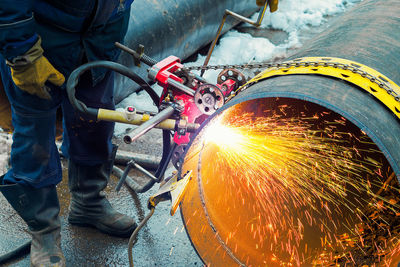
(39, 208)
(89, 206)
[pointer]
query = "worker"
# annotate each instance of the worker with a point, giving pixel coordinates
(41, 43)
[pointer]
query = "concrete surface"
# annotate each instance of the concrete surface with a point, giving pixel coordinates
(162, 242)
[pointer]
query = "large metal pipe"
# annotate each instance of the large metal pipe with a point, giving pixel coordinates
(236, 216)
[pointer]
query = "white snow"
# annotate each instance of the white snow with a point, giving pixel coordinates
(293, 16)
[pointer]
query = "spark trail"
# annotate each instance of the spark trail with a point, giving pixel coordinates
(309, 185)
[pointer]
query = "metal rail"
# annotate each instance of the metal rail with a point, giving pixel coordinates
(241, 18)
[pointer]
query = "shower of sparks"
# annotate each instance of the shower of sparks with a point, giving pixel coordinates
(302, 178)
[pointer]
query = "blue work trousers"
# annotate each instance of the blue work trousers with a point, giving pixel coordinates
(35, 159)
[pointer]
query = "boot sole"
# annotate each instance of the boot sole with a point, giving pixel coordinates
(88, 222)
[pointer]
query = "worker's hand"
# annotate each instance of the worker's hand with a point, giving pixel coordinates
(273, 4)
(31, 71)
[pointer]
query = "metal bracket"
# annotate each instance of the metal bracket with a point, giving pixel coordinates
(221, 26)
(140, 50)
(124, 176)
(173, 190)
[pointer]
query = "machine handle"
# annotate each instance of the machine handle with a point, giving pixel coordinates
(124, 176)
(148, 125)
(137, 56)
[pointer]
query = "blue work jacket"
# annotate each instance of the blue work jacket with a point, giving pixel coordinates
(70, 30)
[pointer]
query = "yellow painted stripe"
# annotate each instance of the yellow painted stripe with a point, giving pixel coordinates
(343, 74)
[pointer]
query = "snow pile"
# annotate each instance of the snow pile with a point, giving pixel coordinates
(242, 48)
(294, 15)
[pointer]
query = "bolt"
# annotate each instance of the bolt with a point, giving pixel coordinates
(208, 100)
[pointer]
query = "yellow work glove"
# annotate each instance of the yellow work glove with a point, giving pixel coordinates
(273, 4)
(31, 71)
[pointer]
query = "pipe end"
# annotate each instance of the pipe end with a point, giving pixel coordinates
(127, 139)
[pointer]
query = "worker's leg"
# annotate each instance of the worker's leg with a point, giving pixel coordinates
(88, 144)
(39, 208)
(29, 185)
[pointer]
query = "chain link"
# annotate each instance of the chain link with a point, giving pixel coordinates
(221, 67)
(293, 64)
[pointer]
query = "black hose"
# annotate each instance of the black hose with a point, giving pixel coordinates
(74, 79)
(16, 253)
(167, 151)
